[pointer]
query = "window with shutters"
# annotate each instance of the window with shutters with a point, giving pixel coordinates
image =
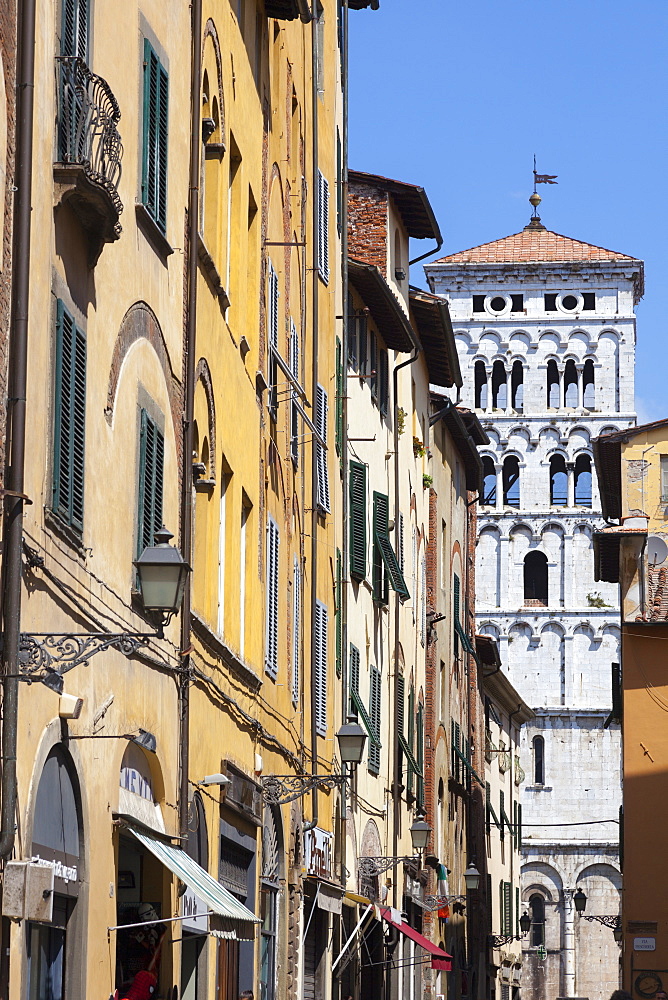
(272, 326)
(320, 626)
(411, 737)
(323, 228)
(155, 133)
(506, 902)
(357, 514)
(294, 412)
(356, 704)
(664, 478)
(271, 628)
(419, 755)
(322, 498)
(339, 398)
(74, 37)
(423, 603)
(374, 711)
(383, 382)
(338, 616)
(151, 478)
(296, 628)
(386, 569)
(399, 540)
(70, 420)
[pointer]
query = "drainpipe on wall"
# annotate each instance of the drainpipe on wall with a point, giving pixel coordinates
(396, 784)
(313, 822)
(188, 415)
(15, 432)
(345, 540)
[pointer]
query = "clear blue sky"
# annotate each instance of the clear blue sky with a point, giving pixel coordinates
(457, 96)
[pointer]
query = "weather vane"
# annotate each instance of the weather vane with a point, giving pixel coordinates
(535, 199)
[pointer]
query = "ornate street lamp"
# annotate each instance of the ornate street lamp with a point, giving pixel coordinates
(278, 789)
(525, 923)
(471, 877)
(420, 831)
(162, 573)
(580, 901)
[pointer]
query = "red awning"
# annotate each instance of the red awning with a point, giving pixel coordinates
(441, 961)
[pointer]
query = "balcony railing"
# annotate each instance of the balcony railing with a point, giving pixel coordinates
(90, 150)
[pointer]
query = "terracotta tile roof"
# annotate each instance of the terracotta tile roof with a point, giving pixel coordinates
(533, 243)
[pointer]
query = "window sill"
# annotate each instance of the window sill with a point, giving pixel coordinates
(153, 233)
(538, 788)
(54, 523)
(219, 648)
(212, 274)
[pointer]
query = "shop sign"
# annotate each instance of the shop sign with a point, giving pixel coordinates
(318, 853)
(135, 796)
(644, 944)
(196, 911)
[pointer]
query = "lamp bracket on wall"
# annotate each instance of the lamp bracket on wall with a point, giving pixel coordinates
(45, 656)
(370, 867)
(277, 789)
(608, 919)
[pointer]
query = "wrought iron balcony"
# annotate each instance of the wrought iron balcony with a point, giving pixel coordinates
(90, 151)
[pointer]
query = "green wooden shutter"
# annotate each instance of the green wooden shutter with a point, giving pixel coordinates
(352, 334)
(320, 666)
(517, 913)
(357, 513)
(339, 397)
(411, 734)
(384, 554)
(374, 712)
(507, 908)
(419, 756)
(373, 365)
(383, 382)
(70, 420)
(362, 349)
(401, 703)
(271, 644)
(155, 136)
(502, 810)
(455, 612)
(74, 36)
(151, 474)
(354, 679)
(502, 928)
(322, 498)
(338, 615)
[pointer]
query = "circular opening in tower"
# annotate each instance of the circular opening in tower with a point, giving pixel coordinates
(569, 302)
(498, 304)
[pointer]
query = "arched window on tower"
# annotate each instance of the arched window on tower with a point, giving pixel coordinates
(538, 746)
(517, 386)
(499, 386)
(558, 481)
(552, 385)
(535, 578)
(488, 495)
(511, 481)
(583, 481)
(588, 388)
(570, 385)
(537, 913)
(480, 385)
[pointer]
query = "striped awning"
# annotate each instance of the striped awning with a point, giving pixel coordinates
(233, 919)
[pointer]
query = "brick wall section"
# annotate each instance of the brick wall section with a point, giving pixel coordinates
(8, 55)
(367, 225)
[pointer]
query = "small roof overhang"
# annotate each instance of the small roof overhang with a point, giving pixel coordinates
(438, 955)
(432, 317)
(608, 458)
(385, 308)
(411, 200)
(607, 543)
(464, 427)
(288, 10)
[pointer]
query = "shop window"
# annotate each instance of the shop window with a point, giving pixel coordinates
(588, 387)
(499, 386)
(535, 578)
(488, 496)
(570, 385)
(538, 745)
(517, 386)
(480, 385)
(583, 481)
(558, 481)
(537, 914)
(553, 401)
(511, 481)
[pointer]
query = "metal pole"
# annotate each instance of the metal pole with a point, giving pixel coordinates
(15, 434)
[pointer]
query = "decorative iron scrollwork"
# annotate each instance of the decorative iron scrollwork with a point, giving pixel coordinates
(41, 651)
(277, 789)
(368, 867)
(608, 919)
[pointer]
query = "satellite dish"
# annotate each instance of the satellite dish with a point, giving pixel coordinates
(657, 550)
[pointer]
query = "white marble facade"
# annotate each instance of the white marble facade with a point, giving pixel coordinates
(547, 357)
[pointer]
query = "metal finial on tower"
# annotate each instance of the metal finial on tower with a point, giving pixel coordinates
(534, 198)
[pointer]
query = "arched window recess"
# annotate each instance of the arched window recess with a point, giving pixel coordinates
(535, 579)
(488, 495)
(511, 481)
